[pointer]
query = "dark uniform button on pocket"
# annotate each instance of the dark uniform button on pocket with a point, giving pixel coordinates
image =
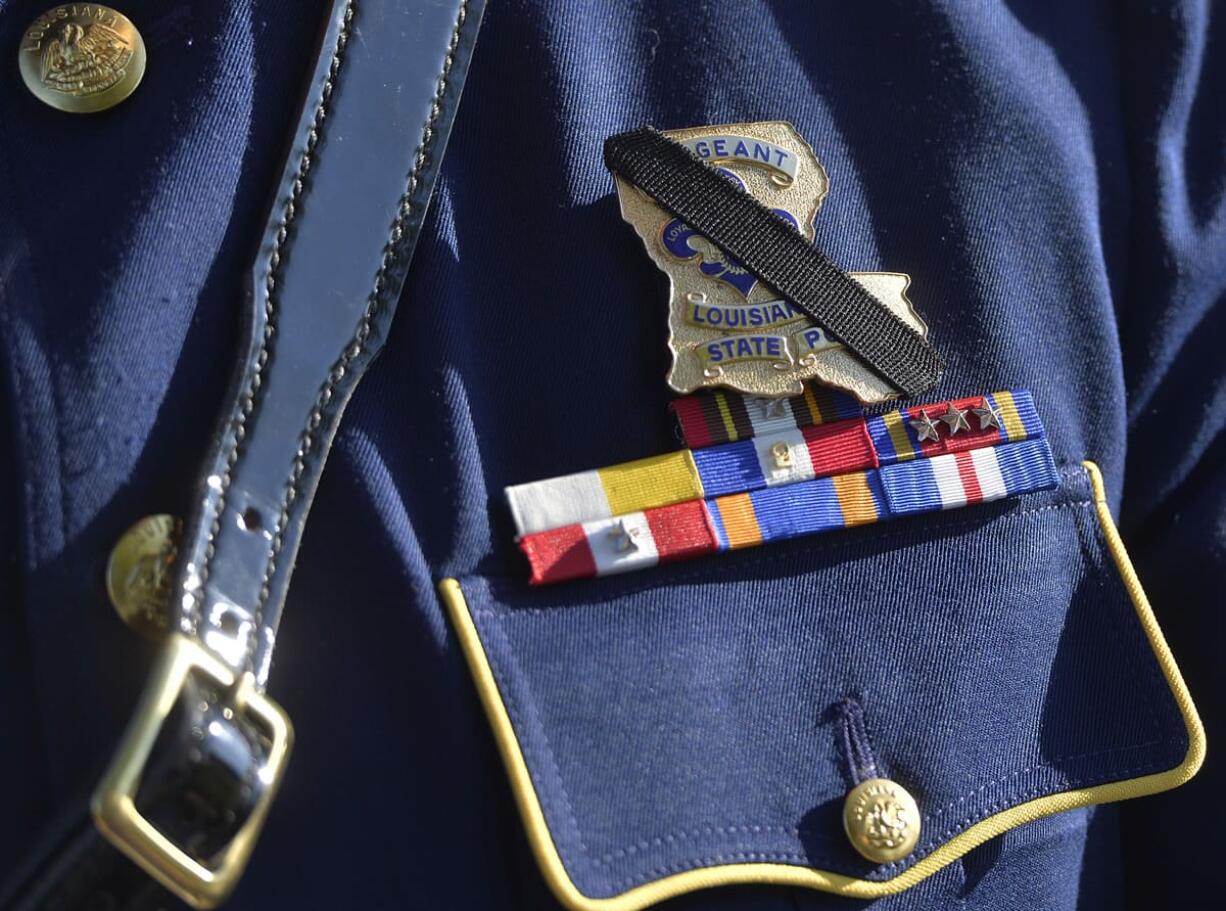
(140, 571)
(82, 57)
(882, 820)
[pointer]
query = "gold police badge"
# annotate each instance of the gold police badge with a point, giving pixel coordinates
(727, 328)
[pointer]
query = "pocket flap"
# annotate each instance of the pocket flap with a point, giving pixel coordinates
(673, 731)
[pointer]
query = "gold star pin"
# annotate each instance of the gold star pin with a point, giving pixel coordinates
(925, 429)
(781, 452)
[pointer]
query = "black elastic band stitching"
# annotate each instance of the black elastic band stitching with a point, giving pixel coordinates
(777, 254)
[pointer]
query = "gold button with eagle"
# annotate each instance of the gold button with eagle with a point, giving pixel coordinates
(882, 820)
(82, 57)
(140, 573)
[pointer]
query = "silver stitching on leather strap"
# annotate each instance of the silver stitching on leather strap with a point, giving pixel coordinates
(249, 399)
(357, 344)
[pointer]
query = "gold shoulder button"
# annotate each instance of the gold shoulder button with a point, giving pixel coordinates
(82, 57)
(882, 820)
(139, 574)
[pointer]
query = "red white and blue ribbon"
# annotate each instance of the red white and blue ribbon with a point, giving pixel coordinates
(786, 455)
(745, 519)
(718, 416)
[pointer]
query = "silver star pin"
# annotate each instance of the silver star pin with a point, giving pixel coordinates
(955, 418)
(987, 416)
(925, 429)
(772, 408)
(623, 537)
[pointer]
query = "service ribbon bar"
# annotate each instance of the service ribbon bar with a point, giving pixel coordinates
(678, 531)
(718, 416)
(787, 455)
(605, 492)
(998, 417)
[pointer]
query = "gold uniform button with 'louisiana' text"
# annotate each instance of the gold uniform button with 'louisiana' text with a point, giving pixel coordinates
(82, 57)
(882, 820)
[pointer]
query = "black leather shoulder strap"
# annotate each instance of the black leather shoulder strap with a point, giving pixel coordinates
(324, 288)
(188, 789)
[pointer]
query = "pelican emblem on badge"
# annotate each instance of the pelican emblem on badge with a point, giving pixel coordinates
(684, 244)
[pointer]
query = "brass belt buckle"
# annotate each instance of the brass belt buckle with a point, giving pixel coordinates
(114, 800)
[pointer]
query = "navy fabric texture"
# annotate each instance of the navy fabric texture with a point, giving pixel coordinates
(690, 719)
(1053, 178)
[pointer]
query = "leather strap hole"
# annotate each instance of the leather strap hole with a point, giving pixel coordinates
(251, 519)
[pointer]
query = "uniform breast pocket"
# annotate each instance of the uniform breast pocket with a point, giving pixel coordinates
(702, 725)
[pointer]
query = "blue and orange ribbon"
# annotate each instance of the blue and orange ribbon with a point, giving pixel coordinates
(749, 518)
(787, 455)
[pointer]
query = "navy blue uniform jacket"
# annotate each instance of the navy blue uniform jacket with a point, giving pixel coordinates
(1052, 177)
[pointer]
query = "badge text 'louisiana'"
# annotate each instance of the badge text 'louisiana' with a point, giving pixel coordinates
(727, 328)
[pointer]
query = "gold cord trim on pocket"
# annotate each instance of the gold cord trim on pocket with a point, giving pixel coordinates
(676, 884)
